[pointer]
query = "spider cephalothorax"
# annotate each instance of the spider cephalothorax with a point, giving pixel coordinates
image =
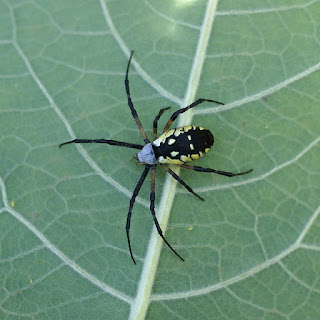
(174, 146)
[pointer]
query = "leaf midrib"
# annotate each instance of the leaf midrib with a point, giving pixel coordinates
(141, 302)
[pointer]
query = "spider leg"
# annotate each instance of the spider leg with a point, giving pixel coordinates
(223, 173)
(132, 200)
(175, 114)
(133, 110)
(155, 122)
(152, 198)
(176, 177)
(111, 142)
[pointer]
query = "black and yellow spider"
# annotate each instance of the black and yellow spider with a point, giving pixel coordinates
(176, 146)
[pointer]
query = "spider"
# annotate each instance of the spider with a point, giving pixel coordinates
(175, 146)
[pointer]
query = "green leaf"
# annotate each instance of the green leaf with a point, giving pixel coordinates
(251, 249)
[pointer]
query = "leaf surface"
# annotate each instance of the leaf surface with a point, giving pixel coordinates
(251, 249)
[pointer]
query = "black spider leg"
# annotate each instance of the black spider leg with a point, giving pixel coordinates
(176, 177)
(152, 198)
(175, 114)
(132, 200)
(133, 110)
(111, 142)
(155, 122)
(223, 173)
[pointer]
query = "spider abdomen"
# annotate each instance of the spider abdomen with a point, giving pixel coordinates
(182, 144)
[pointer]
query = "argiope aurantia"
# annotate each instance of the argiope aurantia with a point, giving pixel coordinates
(175, 146)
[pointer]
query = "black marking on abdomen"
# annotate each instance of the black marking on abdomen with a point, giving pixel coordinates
(200, 138)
